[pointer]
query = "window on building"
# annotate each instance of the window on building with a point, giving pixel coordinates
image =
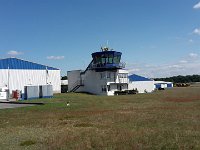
(119, 87)
(103, 88)
(114, 75)
(110, 60)
(123, 75)
(108, 86)
(120, 75)
(98, 59)
(116, 60)
(101, 75)
(108, 75)
(103, 60)
(126, 75)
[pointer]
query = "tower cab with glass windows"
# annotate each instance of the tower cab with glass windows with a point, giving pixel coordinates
(106, 60)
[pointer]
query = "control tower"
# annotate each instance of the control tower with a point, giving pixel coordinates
(103, 76)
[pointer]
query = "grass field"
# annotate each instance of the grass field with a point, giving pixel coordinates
(168, 119)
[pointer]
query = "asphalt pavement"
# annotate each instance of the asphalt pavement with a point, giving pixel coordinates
(11, 105)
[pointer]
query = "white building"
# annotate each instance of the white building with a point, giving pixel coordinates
(162, 84)
(17, 73)
(103, 76)
(146, 85)
(142, 84)
(64, 82)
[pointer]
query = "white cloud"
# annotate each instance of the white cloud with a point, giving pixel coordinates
(14, 53)
(175, 66)
(191, 40)
(197, 6)
(55, 57)
(193, 55)
(197, 31)
(190, 65)
(134, 70)
(183, 61)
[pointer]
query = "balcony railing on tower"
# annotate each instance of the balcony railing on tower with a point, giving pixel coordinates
(105, 65)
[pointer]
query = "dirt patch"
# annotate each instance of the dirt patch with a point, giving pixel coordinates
(150, 109)
(84, 125)
(91, 112)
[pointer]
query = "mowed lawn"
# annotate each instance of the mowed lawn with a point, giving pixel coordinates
(168, 119)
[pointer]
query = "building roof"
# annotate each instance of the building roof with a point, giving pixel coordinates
(15, 63)
(135, 77)
(162, 82)
(106, 52)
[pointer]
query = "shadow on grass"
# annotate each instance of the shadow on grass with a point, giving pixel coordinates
(27, 143)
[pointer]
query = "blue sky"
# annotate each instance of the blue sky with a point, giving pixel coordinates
(158, 38)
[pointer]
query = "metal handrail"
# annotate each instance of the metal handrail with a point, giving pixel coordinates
(77, 83)
(121, 65)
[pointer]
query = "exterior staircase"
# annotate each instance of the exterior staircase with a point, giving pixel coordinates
(76, 85)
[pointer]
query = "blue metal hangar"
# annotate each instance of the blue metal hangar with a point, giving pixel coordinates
(16, 73)
(142, 84)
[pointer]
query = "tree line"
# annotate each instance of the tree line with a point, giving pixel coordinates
(174, 79)
(180, 79)
(64, 78)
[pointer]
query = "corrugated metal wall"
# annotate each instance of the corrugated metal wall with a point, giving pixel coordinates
(18, 78)
(17, 73)
(142, 86)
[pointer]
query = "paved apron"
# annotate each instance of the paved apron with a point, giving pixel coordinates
(7, 105)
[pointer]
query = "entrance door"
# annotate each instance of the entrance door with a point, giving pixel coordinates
(40, 92)
(119, 87)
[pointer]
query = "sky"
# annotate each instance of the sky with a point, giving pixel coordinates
(157, 38)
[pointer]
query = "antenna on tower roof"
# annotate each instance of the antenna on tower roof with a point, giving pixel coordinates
(107, 43)
(105, 48)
